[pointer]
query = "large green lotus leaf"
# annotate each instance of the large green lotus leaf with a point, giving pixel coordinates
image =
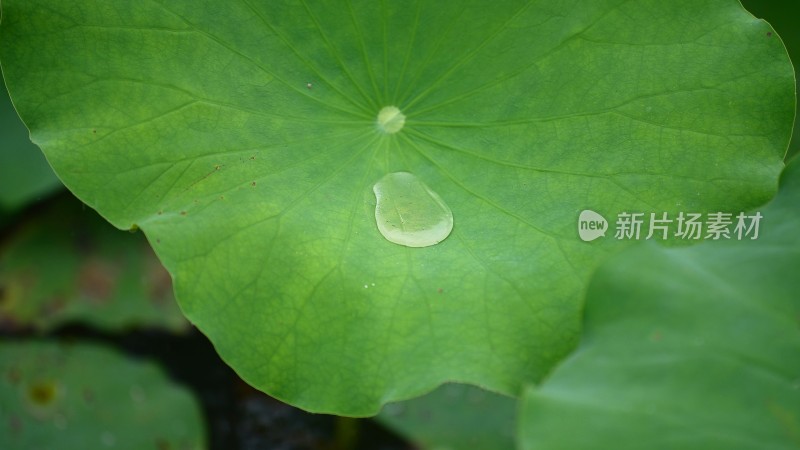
(82, 396)
(24, 172)
(66, 264)
(454, 417)
(242, 138)
(693, 348)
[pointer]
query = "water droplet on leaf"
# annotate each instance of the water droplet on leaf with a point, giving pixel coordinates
(409, 213)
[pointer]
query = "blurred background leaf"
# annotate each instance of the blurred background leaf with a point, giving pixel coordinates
(690, 348)
(82, 396)
(25, 175)
(454, 417)
(64, 263)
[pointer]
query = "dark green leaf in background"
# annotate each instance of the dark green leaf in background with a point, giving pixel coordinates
(691, 348)
(454, 417)
(242, 138)
(82, 396)
(24, 172)
(66, 265)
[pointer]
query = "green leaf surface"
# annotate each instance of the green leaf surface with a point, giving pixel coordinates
(692, 348)
(65, 264)
(25, 174)
(243, 138)
(454, 417)
(782, 16)
(82, 396)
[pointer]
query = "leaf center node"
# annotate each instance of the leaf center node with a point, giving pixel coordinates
(391, 120)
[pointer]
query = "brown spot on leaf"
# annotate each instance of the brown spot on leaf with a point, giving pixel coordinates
(42, 393)
(183, 213)
(97, 280)
(253, 183)
(14, 296)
